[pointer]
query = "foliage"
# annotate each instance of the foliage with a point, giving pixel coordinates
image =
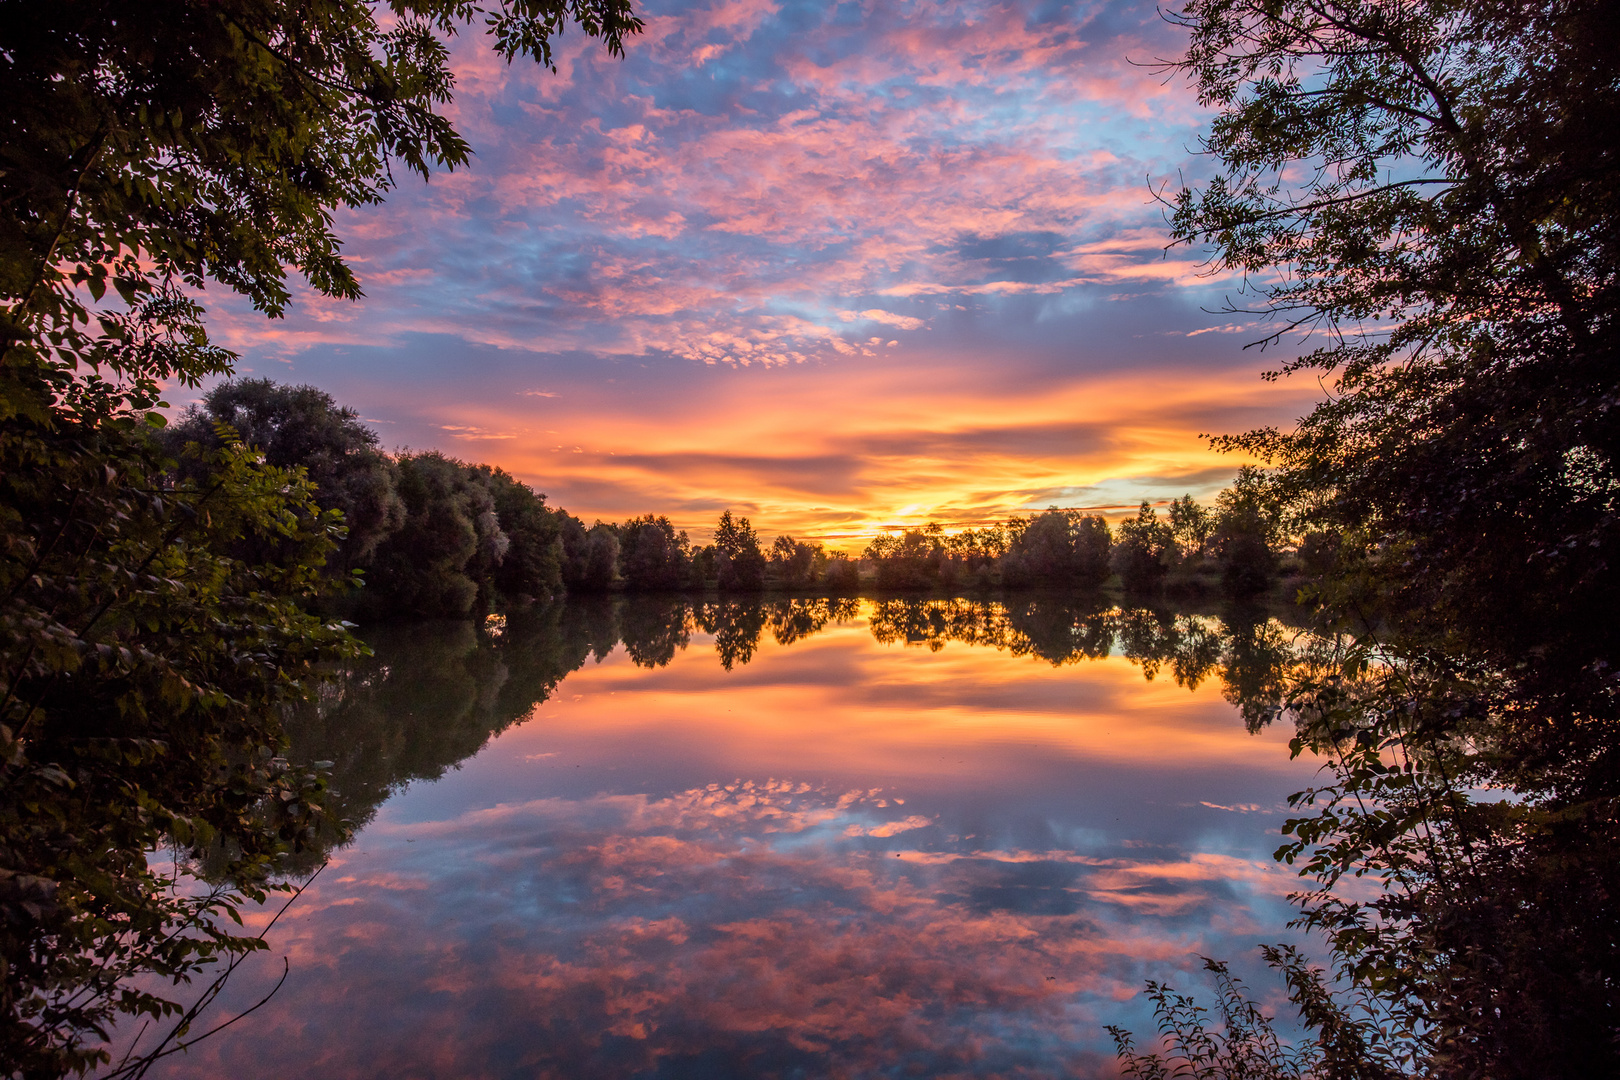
(440, 563)
(546, 549)
(841, 575)
(168, 142)
(973, 556)
(1060, 629)
(430, 695)
(654, 557)
(591, 556)
(1191, 525)
(796, 619)
(736, 626)
(1492, 926)
(1460, 882)
(1455, 232)
(976, 548)
(296, 426)
(704, 564)
(794, 562)
(145, 664)
(388, 538)
(910, 560)
(1059, 547)
(531, 569)
(739, 564)
(1246, 533)
(1244, 1045)
(1143, 548)
(654, 630)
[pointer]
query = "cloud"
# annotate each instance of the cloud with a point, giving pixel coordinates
(892, 828)
(463, 431)
(920, 233)
(887, 318)
(827, 159)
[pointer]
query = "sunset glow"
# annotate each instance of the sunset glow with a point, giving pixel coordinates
(834, 266)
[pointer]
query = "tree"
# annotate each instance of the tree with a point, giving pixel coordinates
(531, 569)
(739, 564)
(704, 565)
(1191, 525)
(1247, 530)
(973, 555)
(1059, 547)
(301, 426)
(440, 563)
(911, 560)
(590, 556)
(595, 567)
(1142, 549)
(841, 574)
(146, 660)
(1433, 187)
(794, 562)
(653, 556)
(173, 144)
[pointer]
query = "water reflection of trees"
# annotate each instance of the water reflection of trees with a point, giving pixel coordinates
(793, 620)
(1248, 647)
(432, 694)
(654, 629)
(736, 626)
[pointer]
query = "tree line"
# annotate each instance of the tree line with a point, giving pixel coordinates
(1238, 547)
(434, 537)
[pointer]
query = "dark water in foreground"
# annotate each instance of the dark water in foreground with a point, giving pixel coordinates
(909, 840)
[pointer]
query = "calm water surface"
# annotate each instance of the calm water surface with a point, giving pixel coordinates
(886, 840)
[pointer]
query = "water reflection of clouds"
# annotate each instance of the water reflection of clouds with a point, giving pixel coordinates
(739, 929)
(842, 859)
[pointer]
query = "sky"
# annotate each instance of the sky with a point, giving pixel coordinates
(832, 266)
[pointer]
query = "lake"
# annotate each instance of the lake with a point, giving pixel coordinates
(651, 838)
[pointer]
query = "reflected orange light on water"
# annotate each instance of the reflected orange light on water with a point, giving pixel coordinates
(841, 703)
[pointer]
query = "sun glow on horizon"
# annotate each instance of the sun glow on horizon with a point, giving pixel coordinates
(842, 456)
